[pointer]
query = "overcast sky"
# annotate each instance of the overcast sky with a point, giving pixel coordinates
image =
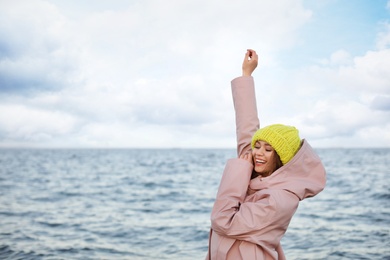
(156, 74)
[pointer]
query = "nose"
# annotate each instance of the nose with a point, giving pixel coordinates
(259, 151)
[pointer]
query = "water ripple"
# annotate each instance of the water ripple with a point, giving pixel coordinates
(146, 204)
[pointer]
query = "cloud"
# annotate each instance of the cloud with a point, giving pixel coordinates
(353, 98)
(33, 56)
(383, 38)
(381, 103)
(34, 125)
(163, 65)
(157, 73)
(340, 117)
(340, 57)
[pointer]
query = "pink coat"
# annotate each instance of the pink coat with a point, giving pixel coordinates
(250, 217)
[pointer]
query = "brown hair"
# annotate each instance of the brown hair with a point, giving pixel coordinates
(278, 161)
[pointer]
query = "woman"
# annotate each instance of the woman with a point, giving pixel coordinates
(261, 189)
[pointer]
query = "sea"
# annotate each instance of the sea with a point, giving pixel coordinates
(155, 204)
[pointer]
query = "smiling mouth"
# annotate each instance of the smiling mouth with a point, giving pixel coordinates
(258, 161)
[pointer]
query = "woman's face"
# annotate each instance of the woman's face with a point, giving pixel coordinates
(264, 158)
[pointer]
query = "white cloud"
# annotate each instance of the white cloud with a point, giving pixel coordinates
(381, 102)
(383, 38)
(342, 117)
(352, 100)
(118, 70)
(29, 124)
(370, 72)
(157, 73)
(340, 57)
(34, 54)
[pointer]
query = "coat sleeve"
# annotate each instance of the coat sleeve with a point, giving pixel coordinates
(262, 220)
(247, 121)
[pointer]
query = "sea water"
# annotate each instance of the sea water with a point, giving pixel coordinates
(155, 204)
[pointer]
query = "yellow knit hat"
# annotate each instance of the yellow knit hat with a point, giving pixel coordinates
(284, 139)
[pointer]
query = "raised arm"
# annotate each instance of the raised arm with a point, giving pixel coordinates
(244, 99)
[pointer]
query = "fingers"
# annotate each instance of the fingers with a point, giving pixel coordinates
(247, 157)
(247, 55)
(251, 54)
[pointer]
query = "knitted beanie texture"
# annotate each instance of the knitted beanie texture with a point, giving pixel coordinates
(284, 139)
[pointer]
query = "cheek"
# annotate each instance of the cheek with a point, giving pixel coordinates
(270, 156)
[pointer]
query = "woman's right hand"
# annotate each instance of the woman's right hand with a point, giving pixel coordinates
(250, 62)
(248, 157)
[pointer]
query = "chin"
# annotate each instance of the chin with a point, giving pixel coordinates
(260, 169)
(262, 172)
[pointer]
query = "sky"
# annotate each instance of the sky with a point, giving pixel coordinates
(156, 74)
